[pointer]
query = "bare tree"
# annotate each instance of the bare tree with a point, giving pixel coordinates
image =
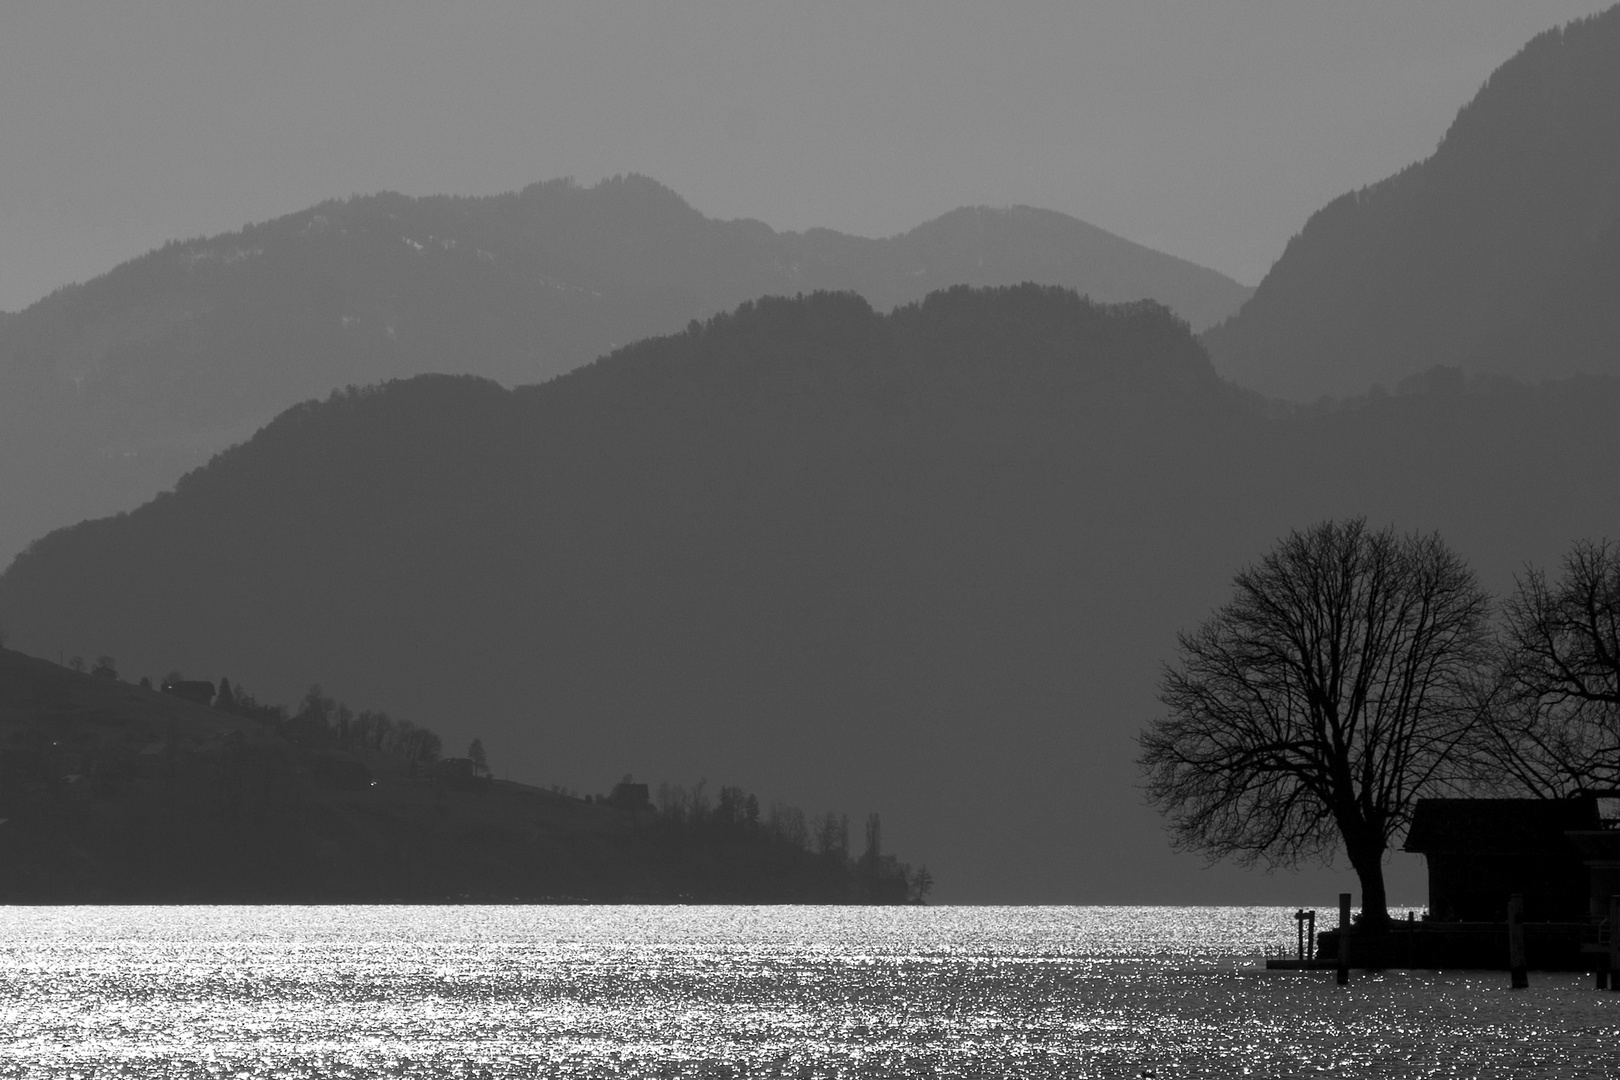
(832, 836)
(922, 883)
(787, 823)
(316, 708)
(671, 800)
(1315, 708)
(1555, 720)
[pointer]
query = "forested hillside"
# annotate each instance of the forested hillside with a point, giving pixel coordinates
(1499, 251)
(112, 792)
(927, 561)
(111, 389)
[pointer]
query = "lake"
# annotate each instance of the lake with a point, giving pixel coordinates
(379, 991)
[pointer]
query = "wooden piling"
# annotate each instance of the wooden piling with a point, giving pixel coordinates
(1343, 976)
(1515, 918)
(1614, 943)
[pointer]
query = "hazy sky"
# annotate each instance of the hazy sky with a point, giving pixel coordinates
(1206, 128)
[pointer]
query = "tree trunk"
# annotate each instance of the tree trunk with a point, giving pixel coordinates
(1367, 857)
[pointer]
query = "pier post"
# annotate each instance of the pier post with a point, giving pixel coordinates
(1310, 936)
(1515, 919)
(1343, 976)
(1614, 943)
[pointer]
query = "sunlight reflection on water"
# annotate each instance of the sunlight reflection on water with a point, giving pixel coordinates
(746, 992)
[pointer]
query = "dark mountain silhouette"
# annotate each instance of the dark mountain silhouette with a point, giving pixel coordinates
(927, 561)
(113, 793)
(1485, 253)
(110, 390)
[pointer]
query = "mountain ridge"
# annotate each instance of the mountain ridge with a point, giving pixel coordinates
(926, 561)
(110, 389)
(1432, 264)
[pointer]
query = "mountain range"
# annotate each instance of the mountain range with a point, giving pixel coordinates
(926, 562)
(111, 389)
(870, 542)
(1500, 253)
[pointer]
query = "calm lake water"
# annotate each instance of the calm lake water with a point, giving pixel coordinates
(747, 992)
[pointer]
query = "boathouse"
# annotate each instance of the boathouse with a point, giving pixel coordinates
(1561, 857)
(1480, 852)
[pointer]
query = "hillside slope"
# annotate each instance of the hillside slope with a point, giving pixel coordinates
(1571, 325)
(926, 562)
(1486, 239)
(111, 389)
(111, 793)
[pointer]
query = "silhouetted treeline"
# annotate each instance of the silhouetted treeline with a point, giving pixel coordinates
(117, 793)
(730, 847)
(321, 720)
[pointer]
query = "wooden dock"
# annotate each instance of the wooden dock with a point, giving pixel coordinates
(1513, 944)
(1461, 946)
(1293, 963)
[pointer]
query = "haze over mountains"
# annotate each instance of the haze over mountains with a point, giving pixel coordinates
(926, 562)
(110, 390)
(1500, 253)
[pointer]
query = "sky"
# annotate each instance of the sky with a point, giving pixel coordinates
(1209, 129)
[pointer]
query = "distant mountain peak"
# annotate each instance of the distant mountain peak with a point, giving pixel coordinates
(111, 389)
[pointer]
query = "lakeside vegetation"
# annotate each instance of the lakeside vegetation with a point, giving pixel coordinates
(120, 793)
(1357, 673)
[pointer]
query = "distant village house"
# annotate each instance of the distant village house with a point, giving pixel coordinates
(200, 691)
(630, 796)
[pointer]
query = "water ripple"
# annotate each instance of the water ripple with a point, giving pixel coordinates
(813, 993)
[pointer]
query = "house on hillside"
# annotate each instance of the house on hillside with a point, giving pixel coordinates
(198, 690)
(1561, 855)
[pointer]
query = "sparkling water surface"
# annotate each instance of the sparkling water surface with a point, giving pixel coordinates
(290, 992)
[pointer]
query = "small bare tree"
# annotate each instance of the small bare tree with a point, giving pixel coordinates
(1555, 721)
(1314, 709)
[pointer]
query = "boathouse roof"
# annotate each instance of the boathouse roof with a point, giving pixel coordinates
(1498, 825)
